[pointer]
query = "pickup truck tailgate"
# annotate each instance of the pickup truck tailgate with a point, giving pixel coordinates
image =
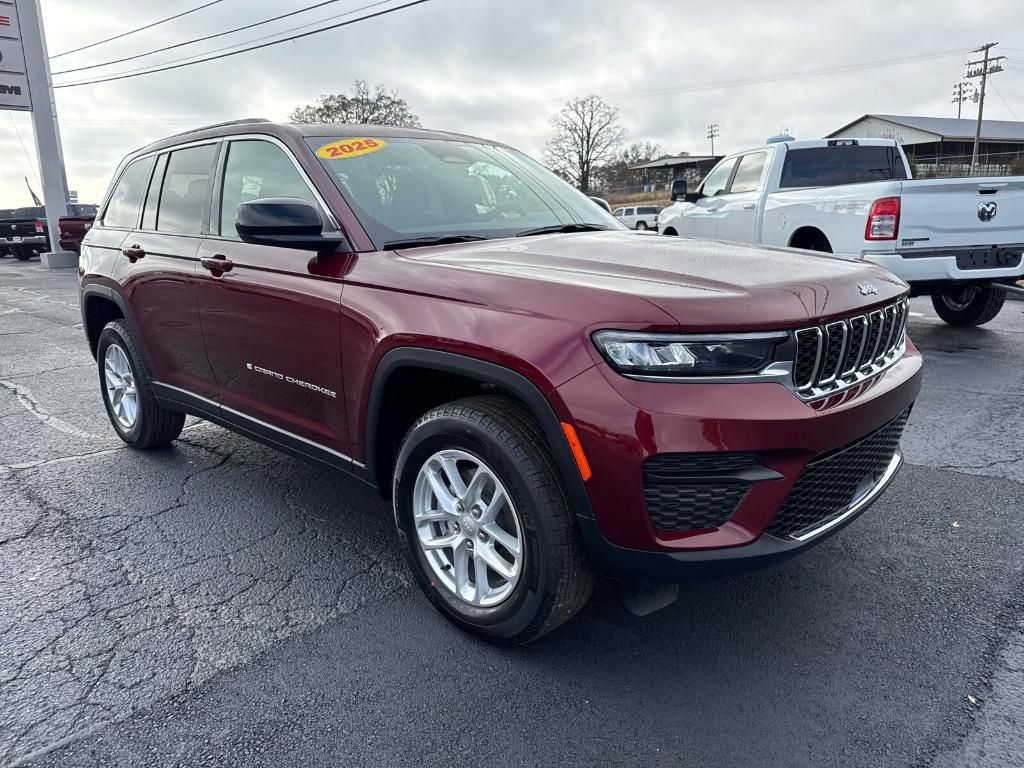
(942, 213)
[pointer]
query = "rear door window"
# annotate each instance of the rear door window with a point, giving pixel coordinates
(748, 174)
(185, 190)
(126, 199)
(843, 164)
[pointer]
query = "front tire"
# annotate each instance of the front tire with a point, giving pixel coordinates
(485, 523)
(969, 306)
(131, 406)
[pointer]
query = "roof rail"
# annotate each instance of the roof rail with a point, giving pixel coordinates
(243, 121)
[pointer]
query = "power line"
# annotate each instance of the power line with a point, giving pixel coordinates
(28, 161)
(151, 71)
(721, 84)
(1005, 103)
(253, 40)
(201, 39)
(137, 29)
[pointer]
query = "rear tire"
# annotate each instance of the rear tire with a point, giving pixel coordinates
(543, 578)
(135, 414)
(969, 306)
(21, 253)
(641, 226)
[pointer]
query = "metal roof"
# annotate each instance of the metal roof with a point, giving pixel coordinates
(671, 162)
(950, 128)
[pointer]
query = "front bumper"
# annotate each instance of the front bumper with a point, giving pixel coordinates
(633, 565)
(621, 423)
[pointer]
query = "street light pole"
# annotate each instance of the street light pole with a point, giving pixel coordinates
(713, 133)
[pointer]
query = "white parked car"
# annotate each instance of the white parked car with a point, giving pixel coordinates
(638, 217)
(958, 240)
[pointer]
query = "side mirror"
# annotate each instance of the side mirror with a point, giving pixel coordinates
(286, 222)
(678, 189)
(601, 202)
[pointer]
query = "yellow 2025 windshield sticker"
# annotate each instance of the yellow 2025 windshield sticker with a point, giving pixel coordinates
(346, 148)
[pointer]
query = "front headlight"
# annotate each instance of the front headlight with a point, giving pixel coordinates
(663, 354)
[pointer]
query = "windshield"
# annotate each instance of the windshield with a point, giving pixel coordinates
(404, 190)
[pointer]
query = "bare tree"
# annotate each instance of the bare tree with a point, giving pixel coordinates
(587, 134)
(617, 173)
(376, 107)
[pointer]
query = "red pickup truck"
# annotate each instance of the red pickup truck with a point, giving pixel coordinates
(75, 225)
(542, 394)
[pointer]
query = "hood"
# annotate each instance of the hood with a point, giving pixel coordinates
(703, 284)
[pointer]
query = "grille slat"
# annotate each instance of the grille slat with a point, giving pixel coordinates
(855, 347)
(828, 485)
(843, 352)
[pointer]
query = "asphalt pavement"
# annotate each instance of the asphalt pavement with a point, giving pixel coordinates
(216, 603)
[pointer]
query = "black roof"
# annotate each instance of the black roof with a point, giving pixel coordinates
(300, 130)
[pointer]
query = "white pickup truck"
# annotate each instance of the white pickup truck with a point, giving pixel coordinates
(958, 240)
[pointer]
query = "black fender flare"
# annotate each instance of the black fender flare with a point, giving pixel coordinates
(94, 290)
(490, 373)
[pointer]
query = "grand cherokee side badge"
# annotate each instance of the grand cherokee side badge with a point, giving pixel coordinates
(867, 289)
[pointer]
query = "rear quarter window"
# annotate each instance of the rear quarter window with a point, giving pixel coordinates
(647, 210)
(126, 199)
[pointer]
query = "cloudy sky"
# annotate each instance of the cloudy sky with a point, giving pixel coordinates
(501, 69)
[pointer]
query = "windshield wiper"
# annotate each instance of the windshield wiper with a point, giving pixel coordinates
(555, 228)
(395, 245)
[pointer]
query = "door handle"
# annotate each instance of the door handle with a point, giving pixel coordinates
(749, 206)
(134, 253)
(218, 264)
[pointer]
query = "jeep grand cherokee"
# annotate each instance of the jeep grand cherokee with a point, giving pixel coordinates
(544, 395)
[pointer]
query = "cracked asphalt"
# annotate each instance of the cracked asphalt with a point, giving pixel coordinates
(216, 603)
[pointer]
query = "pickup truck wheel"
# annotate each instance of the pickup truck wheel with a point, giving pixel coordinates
(969, 306)
(21, 253)
(133, 410)
(641, 226)
(485, 524)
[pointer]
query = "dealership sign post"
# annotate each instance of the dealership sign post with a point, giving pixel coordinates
(25, 86)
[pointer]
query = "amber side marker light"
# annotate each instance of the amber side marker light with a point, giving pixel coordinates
(577, 450)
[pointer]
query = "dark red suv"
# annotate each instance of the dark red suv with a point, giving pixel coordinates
(544, 394)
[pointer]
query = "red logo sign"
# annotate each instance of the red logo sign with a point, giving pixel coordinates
(5, 21)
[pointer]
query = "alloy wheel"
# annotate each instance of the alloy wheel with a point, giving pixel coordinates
(119, 382)
(960, 300)
(467, 528)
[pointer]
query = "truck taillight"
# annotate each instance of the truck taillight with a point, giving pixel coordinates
(40, 227)
(883, 219)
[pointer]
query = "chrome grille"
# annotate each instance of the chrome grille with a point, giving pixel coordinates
(845, 352)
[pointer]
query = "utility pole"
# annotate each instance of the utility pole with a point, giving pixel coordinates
(963, 92)
(989, 65)
(713, 133)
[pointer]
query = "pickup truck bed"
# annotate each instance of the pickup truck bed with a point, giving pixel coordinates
(25, 236)
(958, 240)
(74, 226)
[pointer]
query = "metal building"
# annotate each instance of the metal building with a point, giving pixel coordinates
(942, 146)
